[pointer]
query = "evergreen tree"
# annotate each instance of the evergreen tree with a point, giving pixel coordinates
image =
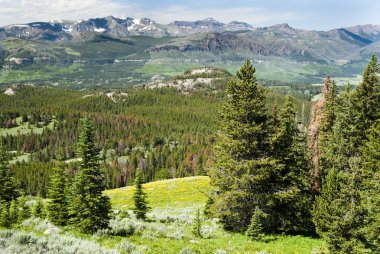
(24, 209)
(326, 208)
(370, 193)
(255, 229)
(347, 210)
(243, 169)
(8, 190)
(197, 225)
(9, 213)
(5, 215)
(39, 208)
(326, 126)
(58, 204)
(338, 213)
(141, 203)
(292, 198)
(259, 166)
(89, 208)
(87, 149)
(366, 100)
(337, 208)
(13, 213)
(340, 147)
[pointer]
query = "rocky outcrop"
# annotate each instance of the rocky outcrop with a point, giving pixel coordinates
(20, 61)
(215, 42)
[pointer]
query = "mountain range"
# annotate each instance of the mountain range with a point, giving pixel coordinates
(204, 42)
(117, 28)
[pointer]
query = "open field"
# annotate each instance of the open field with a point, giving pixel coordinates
(173, 193)
(174, 203)
(24, 128)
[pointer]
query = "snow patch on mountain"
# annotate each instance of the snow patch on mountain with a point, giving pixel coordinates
(67, 29)
(99, 30)
(19, 26)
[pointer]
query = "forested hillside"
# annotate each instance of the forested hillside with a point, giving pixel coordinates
(164, 131)
(284, 178)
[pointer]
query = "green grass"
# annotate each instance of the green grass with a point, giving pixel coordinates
(72, 52)
(41, 73)
(169, 229)
(23, 128)
(236, 243)
(174, 193)
(24, 157)
(168, 69)
(179, 199)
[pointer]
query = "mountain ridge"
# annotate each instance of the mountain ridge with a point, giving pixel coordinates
(124, 27)
(79, 46)
(117, 27)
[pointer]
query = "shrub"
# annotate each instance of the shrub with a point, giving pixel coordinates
(29, 243)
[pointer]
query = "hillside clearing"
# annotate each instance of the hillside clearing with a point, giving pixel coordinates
(174, 203)
(173, 193)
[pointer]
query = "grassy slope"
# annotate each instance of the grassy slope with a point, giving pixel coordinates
(174, 193)
(23, 128)
(179, 199)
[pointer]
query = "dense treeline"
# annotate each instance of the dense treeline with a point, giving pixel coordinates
(261, 171)
(162, 132)
(77, 201)
(263, 176)
(346, 211)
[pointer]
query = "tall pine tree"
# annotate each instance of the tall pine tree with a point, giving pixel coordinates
(58, 194)
(366, 99)
(243, 168)
(89, 208)
(329, 114)
(8, 190)
(141, 203)
(347, 216)
(370, 193)
(292, 202)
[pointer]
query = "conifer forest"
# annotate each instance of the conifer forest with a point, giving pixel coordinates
(271, 166)
(124, 135)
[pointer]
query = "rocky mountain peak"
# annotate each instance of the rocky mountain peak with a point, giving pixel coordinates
(211, 20)
(239, 26)
(284, 26)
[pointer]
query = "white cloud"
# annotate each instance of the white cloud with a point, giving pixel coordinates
(23, 11)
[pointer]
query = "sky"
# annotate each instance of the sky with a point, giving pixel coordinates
(303, 14)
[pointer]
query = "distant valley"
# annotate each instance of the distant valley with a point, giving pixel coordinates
(114, 52)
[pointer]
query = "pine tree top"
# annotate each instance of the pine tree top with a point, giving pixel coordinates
(87, 149)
